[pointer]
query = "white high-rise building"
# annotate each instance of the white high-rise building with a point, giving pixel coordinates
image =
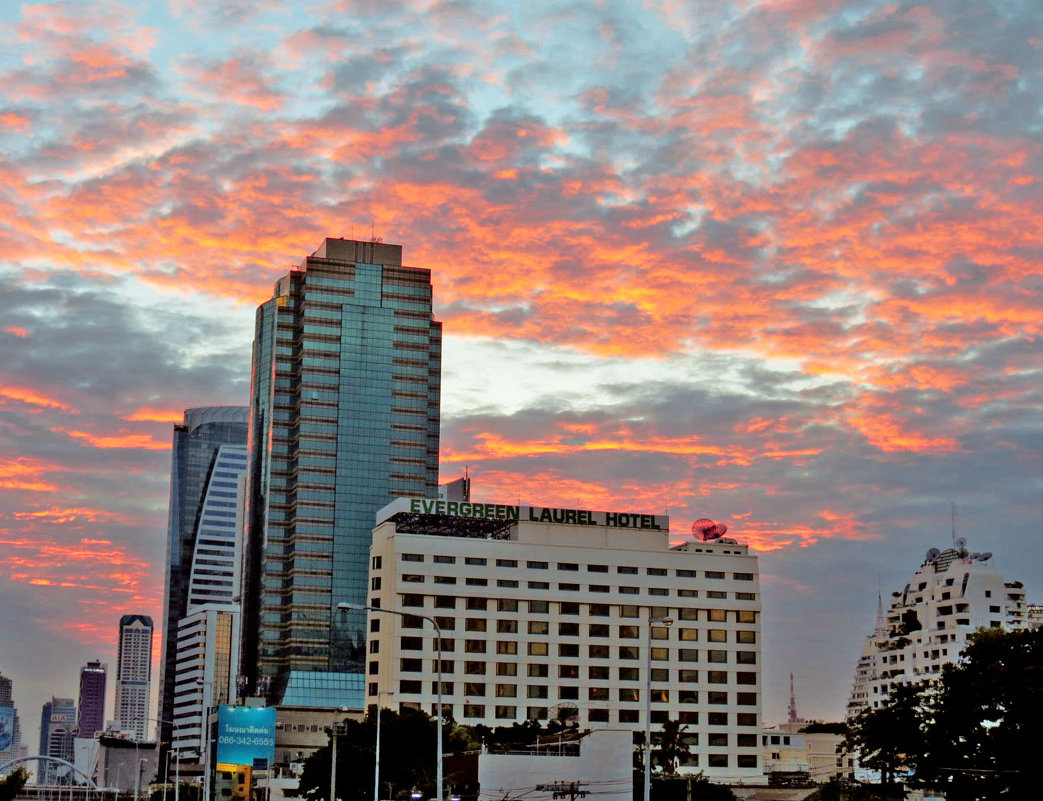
(572, 614)
(134, 674)
(954, 593)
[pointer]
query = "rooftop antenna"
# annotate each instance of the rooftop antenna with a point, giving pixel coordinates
(953, 504)
(792, 701)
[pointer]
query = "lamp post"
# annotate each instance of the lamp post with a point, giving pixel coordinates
(177, 765)
(376, 759)
(662, 621)
(438, 679)
(206, 735)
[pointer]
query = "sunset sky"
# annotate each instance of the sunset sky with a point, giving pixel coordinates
(772, 262)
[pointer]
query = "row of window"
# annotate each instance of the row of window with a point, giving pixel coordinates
(532, 564)
(570, 608)
(625, 694)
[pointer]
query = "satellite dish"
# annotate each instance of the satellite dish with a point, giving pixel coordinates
(705, 529)
(961, 543)
(975, 555)
(565, 712)
(932, 554)
(985, 557)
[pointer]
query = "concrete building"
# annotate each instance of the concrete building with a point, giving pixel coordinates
(57, 724)
(571, 614)
(344, 416)
(197, 492)
(91, 709)
(134, 673)
(952, 594)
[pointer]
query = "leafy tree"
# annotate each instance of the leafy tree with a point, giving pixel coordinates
(11, 784)
(975, 734)
(889, 739)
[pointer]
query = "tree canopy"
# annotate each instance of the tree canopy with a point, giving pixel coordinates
(974, 734)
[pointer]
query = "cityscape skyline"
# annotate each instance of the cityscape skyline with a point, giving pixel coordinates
(771, 263)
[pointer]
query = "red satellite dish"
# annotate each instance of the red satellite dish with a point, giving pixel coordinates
(706, 529)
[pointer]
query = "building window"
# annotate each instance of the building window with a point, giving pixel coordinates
(477, 582)
(746, 760)
(598, 716)
(717, 635)
(688, 676)
(597, 693)
(744, 677)
(412, 600)
(717, 615)
(629, 610)
(537, 649)
(746, 718)
(411, 665)
(717, 697)
(477, 604)
(474, 624)
(537, 691)
(627, 570)
(413, 578)
(746, 636)
(716, 677)
(746, 740)
(629, 652)
(506, 562)
(568, 587)
(506, 690)
(717, 739)
(746, 616)
(568, 649)
(717, 760)
(568, 629)
(537, 671)
(629, 632)
(746, 699)
(474, 688)
(506, 605)
(507, 626)
(687, 655)
(568, 566)
(629, 590)
(474, 710)
(445, 601)
(597, 568)
(598, 652)
(746, 657)
(474, 646)
(568, 693)
(412, 557)
(742, 576)
(474, 668)
(688, 614)
(445, 579)
(412, 643)
(629, 674)
(599, 672)
(477, 561)
(409, 686)
(568, 671)
(717, 657)
(598, 630)
(536, 565)
(506, 668)
(599, 610)
(717, 718)
(538, 585)
(660, 654)
(568, 608)
(538, 627)
(506, 647)
(628, 716)
(445, 560)
(509, 583)
(539, 607)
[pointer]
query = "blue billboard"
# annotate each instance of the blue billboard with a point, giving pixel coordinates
(245, 734)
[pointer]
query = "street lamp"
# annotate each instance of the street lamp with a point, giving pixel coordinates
(177, 765)
(662, 621)
(206, 736)
(376, 759)
(438, 662)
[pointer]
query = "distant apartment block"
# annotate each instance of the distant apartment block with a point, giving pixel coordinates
(952, 594)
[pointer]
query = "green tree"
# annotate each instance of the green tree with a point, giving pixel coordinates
(975, 734)
(11, 784)
(672, 746)
(890, 738)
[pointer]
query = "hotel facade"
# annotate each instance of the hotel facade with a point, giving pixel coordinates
(570, 614)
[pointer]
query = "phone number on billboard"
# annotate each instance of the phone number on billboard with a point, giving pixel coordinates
(226, 740)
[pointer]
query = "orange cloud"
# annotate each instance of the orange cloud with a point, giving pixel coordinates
(27, 474)
(34, 398)
(123, 440)
(151, 414)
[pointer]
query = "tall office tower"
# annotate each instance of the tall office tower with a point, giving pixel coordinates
(344, 416)
(134, 674)
(195, 487)
(11, 746)
(92, 700)
(57, 721)
(954, 593)
(208, 633)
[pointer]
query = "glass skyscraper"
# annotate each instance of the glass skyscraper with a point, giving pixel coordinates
(197, 442)
(344, 416)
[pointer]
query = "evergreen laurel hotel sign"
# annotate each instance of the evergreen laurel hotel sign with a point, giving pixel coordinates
(525, 514)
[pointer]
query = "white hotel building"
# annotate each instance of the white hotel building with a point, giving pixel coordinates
(554, 613)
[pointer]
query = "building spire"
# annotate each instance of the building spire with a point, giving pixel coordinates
(881, 621)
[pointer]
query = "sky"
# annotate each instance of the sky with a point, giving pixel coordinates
(771, 262)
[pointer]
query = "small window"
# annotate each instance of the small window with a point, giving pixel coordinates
(477, 603)
(629, 674)
(506, 668)
(477, 561)
(536, 565)
(599, 672)
(742, 576)
(568, 566)
(746, 616)
(413, 578)
(715, 574)
(537, 649)
(506, 605)
(597, 568)
(629, 610)
(412, 557)
(474, 688)
(599, 610)
(537, 671)
(627, 570)
(506, 562)
(539, 607)
(475, 624)
(445, 560)
(655, 571)
(598, 652)
(445, 602)
(538, 627)
(507, 626)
